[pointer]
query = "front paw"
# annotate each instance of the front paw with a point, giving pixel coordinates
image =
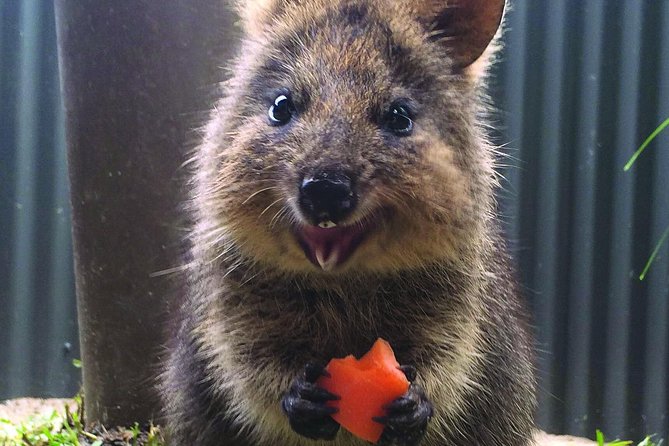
(305, 406)
(407, 417)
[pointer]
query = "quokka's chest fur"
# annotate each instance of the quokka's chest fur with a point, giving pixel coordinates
(343, 191)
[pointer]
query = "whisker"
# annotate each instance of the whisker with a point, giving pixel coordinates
(258, 192)
(268, 207)
(275, 219)
(173, 270)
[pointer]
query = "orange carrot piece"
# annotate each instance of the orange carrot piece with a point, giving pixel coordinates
(364, 387)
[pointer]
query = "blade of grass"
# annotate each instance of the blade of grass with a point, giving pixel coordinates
(646, 442)
(656, 251)
(600, 438)
(645, 144)
(601, 442)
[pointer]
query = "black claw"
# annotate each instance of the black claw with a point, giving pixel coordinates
(310, 391)
(406, 419)
(409, 371)
(305, 406)
(380, 420)
(313, 371)
(403, 404)
(410, 421)
(305, 411)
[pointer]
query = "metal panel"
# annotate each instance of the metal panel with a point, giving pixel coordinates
(656, 337)
(581, 84)
(37, 325)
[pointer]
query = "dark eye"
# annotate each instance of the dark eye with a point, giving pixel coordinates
(281, 111)
(398, 121)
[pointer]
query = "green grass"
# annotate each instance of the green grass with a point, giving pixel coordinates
(67, 429)
(645, 144)
(53, 429)
(627, 167)
(648, 441)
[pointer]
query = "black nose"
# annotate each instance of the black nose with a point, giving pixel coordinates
(327, 197)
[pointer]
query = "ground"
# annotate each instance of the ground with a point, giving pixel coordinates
(21, 410)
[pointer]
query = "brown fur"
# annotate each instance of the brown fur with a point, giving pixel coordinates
(432, 278)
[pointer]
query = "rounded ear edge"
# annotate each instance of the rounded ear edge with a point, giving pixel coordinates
(465, 27)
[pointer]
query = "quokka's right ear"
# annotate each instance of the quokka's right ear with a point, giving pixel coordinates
(465, 27)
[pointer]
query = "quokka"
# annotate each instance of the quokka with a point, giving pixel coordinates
(343, 191)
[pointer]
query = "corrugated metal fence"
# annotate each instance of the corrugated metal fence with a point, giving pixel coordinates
(581, 85)
(38, 334)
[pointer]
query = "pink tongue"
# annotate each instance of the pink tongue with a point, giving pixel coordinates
(328, 248)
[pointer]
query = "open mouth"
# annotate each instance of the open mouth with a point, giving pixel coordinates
(327, 246)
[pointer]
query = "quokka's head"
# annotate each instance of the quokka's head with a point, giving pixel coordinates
(347, 140)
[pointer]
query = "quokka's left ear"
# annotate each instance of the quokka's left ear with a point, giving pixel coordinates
(465, 27)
